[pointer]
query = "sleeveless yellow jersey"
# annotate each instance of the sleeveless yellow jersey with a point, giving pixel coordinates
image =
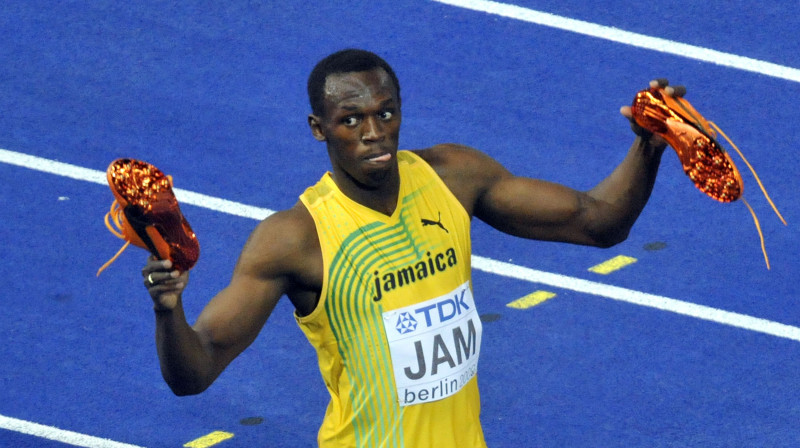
(396, 331)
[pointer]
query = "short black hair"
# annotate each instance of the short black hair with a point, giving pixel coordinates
(343, 61)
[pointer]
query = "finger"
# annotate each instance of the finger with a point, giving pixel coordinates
(166, 300)
(626, 112)
(165, 295)
(151, 280)
(156, 265)
(659, 82)
(676, 91)
(155, 278)
(173, 286)
(159, 264)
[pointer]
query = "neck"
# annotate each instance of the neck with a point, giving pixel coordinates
(382, 197)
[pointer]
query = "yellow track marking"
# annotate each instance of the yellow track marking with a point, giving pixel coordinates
(209, 440)
(531, 299)
(612, 265)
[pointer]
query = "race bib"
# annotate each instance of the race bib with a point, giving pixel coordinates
(434, 346)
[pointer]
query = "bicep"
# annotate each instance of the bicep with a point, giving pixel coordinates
(231, 321)
(520, 206)
(535, 209)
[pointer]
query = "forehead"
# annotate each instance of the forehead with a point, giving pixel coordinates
(359, 87)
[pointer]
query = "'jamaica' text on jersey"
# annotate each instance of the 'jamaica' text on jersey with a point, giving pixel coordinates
(392, 280)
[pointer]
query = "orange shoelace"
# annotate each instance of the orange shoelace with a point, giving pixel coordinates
(113, 220)
(763, 190)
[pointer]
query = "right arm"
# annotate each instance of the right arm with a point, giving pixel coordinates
(273, 259)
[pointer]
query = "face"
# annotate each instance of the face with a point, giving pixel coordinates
(361, 126)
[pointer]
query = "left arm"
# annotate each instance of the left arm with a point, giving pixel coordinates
(541, 210)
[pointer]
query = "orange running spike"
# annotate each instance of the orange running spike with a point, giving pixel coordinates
(146, 214)
(694, 139)
(705, 162)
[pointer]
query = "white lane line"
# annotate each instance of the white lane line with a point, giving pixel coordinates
(222, 205)
(628, 38)
(59, 435)
(637, 297)
(99, 177)
(481, 263)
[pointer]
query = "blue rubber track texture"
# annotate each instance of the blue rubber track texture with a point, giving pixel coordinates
(214, 94)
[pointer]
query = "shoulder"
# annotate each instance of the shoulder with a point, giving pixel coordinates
(448, 153)
(451, 159)
(466, 171)
(281, 245)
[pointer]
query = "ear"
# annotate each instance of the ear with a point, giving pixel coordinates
(316, 128)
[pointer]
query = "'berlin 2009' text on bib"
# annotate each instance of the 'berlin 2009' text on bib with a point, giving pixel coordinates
(434, 345)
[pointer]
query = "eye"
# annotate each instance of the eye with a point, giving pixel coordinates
(386, 115)
(350, 121)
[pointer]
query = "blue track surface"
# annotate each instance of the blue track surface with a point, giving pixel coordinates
(214, 94)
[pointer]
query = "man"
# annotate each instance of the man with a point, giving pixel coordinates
(375, 259)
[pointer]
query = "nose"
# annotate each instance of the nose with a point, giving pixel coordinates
(372, 130)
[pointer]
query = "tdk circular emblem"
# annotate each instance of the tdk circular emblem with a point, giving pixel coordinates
(406, 323)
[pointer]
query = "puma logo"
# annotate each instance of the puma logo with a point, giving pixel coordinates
(428, 222)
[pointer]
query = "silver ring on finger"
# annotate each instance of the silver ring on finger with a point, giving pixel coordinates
(150, 279)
